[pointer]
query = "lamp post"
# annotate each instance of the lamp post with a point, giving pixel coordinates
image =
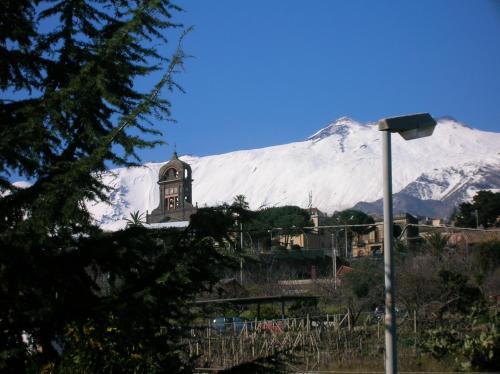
(409, 127)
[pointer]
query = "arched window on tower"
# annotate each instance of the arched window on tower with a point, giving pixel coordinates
(172, 174)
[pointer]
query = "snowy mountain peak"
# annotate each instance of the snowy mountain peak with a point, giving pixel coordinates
(340, 127)
(345, 121)
(341, 165)
(450, 120)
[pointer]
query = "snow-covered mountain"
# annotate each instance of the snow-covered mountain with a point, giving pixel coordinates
(437, 193)
(340, 164)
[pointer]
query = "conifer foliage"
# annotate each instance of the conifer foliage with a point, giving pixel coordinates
(483, 210)
(79, 105)
(74, 299)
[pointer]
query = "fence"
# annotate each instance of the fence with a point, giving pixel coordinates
(316, 341)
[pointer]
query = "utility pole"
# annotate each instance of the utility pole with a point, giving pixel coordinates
(334, 264)
(241, 237)
(345, 234)
(241, 253)
(477, 218)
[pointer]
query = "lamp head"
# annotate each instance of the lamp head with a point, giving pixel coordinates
(410, 127)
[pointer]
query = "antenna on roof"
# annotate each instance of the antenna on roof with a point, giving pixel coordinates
(310, 200)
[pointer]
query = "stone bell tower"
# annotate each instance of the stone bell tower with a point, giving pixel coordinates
(174, 181)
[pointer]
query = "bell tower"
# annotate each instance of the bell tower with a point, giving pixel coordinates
(174, 182)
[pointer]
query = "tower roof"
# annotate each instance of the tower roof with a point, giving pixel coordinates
(175, 163)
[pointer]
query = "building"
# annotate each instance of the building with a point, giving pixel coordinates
(175, 189)
(312, 239)
(470, 238)
(358, 245)
(306, 240)
(317, 217)
(372, 243)
(438, 222)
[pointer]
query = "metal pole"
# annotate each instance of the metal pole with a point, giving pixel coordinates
(345, 234)
(241, 270)
(335, 259)
(334, 265)
(241, 236)
(391, 365)
(241, 253)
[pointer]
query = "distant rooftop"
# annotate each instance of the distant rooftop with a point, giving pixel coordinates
(163, 225)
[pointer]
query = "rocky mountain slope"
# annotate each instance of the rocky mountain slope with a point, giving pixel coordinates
(437, 193)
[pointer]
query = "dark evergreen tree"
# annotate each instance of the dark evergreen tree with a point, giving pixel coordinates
(352, 217)
(66, 130)
(20, 63)
(286, 220)
(484, 210)
(285, 217)
(147, 280)
(69, 109)
(349, 217)
(241, 209)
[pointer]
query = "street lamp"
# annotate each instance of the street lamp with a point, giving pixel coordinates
(409, 127)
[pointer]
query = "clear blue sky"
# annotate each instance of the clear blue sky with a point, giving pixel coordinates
(272, 71)
(269, 72)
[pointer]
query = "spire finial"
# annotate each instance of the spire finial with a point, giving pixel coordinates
(174, 155)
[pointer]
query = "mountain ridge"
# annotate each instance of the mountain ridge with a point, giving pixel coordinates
(340, 164)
